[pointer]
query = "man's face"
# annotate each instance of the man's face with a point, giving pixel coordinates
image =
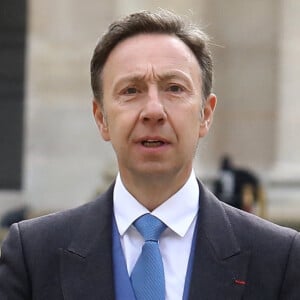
(152, 106)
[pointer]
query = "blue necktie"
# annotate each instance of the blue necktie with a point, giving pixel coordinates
(147, 277)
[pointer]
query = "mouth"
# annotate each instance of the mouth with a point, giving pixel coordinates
(152, 143)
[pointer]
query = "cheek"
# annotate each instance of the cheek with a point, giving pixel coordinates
(185, 120)
(120, 122)
(188, 130)
(193, 129)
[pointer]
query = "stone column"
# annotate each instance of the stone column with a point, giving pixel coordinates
(284, 176)
(287, 166)
(65, 156)
(244, 47)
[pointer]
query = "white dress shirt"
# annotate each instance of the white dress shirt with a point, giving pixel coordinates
(179, 213)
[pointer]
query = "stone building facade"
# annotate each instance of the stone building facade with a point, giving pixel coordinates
(256, 46)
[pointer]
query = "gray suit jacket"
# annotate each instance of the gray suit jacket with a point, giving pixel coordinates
(68, 255)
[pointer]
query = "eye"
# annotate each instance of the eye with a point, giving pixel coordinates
(130, 90)
(175, 88)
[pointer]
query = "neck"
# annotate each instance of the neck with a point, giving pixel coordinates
(153, 190)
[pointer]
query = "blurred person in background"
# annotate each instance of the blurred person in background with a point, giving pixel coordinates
(236, 186)
(157, 232)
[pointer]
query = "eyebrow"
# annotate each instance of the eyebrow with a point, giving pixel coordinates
(170, 76)
(135, 77)
(122, 80)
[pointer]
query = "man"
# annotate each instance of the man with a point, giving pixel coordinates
(151, 77)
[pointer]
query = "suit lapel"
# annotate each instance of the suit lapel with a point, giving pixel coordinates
(220, 266)
(86, 265)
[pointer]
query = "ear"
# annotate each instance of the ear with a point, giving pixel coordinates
(207, 114)
(101, 120)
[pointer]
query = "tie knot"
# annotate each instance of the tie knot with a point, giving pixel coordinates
(149, 227)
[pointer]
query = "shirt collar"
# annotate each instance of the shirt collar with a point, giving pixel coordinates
(178, 212)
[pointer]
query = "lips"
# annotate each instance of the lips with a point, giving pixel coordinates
(152, 143)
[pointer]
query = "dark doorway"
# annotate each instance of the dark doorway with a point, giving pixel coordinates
(13, 15)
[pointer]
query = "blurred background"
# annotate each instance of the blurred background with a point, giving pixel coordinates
(51, 155)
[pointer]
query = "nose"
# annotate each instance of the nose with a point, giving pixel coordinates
(153, 110)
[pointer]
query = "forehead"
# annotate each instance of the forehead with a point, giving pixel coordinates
(159, 52)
